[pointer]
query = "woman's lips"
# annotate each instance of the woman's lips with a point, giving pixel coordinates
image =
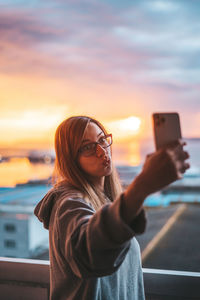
(106, 162)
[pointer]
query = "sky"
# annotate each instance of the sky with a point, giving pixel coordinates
(109, 59)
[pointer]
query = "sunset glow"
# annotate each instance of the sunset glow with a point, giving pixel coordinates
(124, 128)
(31, 120)
(26, 125)
(59, 60)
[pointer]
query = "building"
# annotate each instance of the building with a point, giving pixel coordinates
(22, 235)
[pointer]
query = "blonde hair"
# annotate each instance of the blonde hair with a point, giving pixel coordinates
(68, 175)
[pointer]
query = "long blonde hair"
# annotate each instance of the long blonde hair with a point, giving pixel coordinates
(67, 173)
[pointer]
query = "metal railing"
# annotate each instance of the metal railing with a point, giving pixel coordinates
(27, 279)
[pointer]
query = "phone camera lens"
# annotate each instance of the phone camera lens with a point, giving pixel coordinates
(162, 120)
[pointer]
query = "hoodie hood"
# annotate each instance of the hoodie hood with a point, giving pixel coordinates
(44, 208)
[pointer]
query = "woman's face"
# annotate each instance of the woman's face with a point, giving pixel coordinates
(99, 164)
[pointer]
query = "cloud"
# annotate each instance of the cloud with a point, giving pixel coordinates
(24, 28)
(143, 47)
(88, 38)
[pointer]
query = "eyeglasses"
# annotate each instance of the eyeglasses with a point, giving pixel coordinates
(90, 149)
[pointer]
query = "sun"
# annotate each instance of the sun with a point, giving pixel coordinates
(125, 128)
(131, 124)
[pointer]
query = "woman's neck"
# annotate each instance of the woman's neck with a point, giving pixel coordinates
(99, 183)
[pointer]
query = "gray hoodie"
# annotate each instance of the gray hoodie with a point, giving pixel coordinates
(93, 255)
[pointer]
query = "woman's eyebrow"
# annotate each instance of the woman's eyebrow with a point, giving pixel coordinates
(88, 140)
(84, 141)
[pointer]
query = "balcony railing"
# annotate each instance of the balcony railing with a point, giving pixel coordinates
(26, 279)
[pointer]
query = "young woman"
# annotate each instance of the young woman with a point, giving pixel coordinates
(92, 224)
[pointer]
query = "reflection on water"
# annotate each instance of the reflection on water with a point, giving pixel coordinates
(20, 170)
(130, 153)
(127, 154)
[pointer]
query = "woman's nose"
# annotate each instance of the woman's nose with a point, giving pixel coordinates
(100, 151)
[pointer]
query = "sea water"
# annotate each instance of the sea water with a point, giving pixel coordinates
(18, 169)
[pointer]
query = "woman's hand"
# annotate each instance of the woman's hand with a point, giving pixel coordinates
(160, 169)
(164, 167)
(179, 156)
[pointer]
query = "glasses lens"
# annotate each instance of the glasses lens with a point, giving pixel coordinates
(105, 141)
(88, 149)
(108, 141)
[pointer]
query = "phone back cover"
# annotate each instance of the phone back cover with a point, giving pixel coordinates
(166, 128)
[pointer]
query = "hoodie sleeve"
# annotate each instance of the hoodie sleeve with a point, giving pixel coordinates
(94, 243)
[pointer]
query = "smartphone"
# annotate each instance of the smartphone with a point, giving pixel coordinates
(166, 128)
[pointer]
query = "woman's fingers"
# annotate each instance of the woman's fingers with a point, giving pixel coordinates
(174, 144)
(182, 155)
(179, 156)
(178, 144)
(184, 167)
(177, 149)
(150, 154)
(182, 143)
(186, 155)
(164, 167)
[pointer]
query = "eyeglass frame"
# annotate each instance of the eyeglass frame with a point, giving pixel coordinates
(97, 143)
